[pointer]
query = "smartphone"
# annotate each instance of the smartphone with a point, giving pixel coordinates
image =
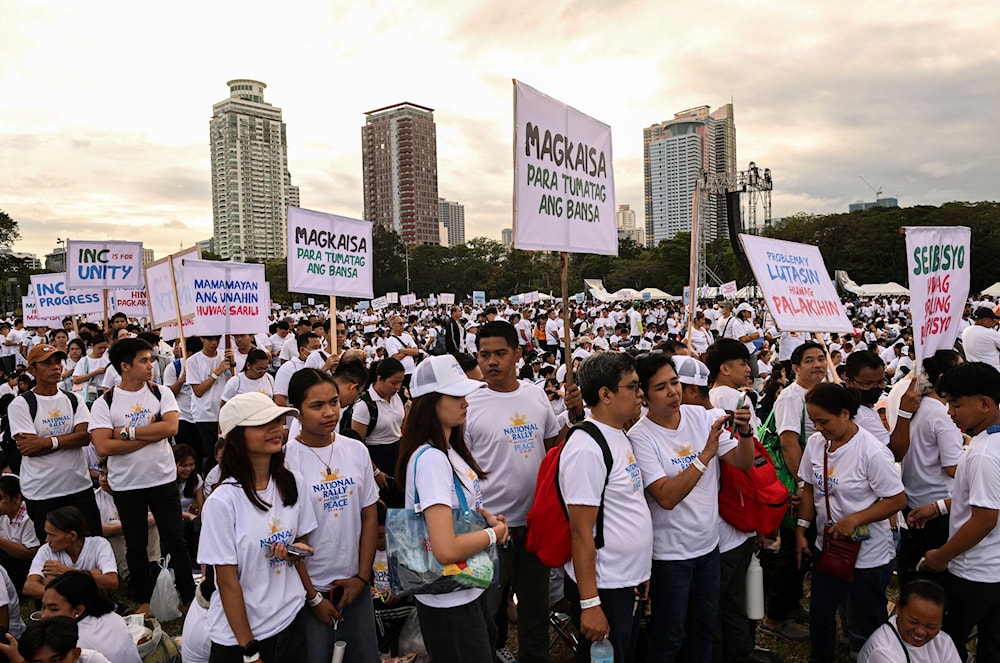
(336, 594)
(298, 552)
(732, 413)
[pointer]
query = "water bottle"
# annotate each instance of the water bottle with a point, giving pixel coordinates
(755, 590)
(602, 652)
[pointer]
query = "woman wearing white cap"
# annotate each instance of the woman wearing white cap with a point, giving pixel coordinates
(453, 625)
(250, 521)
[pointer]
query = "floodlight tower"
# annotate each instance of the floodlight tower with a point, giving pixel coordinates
(756, 184)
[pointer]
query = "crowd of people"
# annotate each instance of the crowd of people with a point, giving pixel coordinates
(264, 464)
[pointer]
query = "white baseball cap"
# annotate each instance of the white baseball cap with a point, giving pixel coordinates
(691, 370)
(443, 375)
(250, 409)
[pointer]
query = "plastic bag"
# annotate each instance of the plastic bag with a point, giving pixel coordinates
(411, 640)
(165, 604)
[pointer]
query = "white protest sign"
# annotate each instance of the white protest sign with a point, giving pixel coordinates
(168, 332)
(797, 288)
(564, 183)
(229, 297)
(446, 298)
(729, 289)
(130, 301)
(53, 298)
(392, 297)
(31, 317)
(103, 264)
(531, 297)
(311, 301)
(432, 300)
(160, 289)
(408, 299)
(329, 254)
(379, 303)
(937, 261)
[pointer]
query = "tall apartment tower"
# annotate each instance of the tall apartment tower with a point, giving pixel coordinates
(399, 160)
(251, 185)
(675, 153)
(625, 217)
(507, 236)
(452, 217)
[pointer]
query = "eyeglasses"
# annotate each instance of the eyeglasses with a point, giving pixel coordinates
(634, 386)
(870, 384)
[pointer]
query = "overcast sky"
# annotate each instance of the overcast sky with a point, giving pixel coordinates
(104, 107)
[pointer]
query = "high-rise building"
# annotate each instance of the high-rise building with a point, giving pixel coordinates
(147, 256)
(675, 153)
(452, 217)
(206, 245)
(399, 160)
(251, 185)
(29, 260)
(879, 202)
(507, 236)
(625, 217)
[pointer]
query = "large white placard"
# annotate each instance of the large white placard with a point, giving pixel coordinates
(937, 261)
(54, 299)
(564, 182)
(160, 289)
(797, 288)
(329, 254)
(133, 302)
(31, 317)
(229, 297)
(408, 299)
(446, 298)
(103, 264)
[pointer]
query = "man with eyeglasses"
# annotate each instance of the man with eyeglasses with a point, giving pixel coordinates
(400, 345)
(866, 372)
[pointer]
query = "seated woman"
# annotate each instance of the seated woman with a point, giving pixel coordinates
(913, 634)
(10, 606)
(74, 594)
(47, 641)
(18, 541)
(69, 548)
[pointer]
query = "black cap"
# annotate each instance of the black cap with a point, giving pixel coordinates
(984, 312)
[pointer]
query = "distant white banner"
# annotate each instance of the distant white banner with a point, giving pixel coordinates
(797, 288)
(103, 264)
(446, 298)
(564, 182)
(329, 254)
(379, 303)
(937, 261)
(392, 297)
(408, 299)
(729, 289)
(54, 299)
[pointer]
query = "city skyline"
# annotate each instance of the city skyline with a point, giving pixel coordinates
(102, 126)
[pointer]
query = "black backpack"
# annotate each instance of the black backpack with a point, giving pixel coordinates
(346, 416)
(32, 400)
(440, 346)
(109, 396)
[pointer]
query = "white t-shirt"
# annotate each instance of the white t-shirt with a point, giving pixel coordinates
(884, 647)
(389, 427)
(96, 554)
(394, 344)
(241, 384)
(868, 419)
(789, 410)
(626, 558)
(977, 483)
(196, 643)
(435, 485)
(860, 473)
(110, 635)
(88, 364)
(184, 397)
(336, 500)
(691, 528)
(211, 479)
(20, 529)
(8, 597)
(235, 532)
(981, 344)
(153, 463)
(727, 398)
(935, 443)
(199, 367)
(284, 375)
(506, 433)
(316, 359)
(61, 472)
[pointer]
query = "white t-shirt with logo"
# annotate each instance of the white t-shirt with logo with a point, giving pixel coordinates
(860, 473)
(435, 484)
(199, 367)
(95, 554)
(153, 463)
(61, 472)
(884, 647)
(626, 558)
(336, 500)
(977, 483)
(506, 432)
(691, 528)
(236, 533)
(935, 443)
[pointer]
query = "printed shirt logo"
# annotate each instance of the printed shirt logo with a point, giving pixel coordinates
(334, 491)
(633, 471)
(522, 435)
(477, 493)
(277, 534)
(56, 422)
(138, 415)
(380, 579)
(830, 484)
(685, 456)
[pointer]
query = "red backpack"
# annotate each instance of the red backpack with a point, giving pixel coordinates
(548, 518)
(753, 500)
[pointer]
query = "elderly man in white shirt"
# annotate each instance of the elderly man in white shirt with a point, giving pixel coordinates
(981, 341)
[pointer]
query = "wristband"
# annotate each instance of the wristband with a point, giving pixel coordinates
(800, 484)
(251, 659)
(363, 581)
(903, 414)
(802, 522)
(942, 507)
(212, 376)
(492, 534)
(131, 433)
(315, 601)
(376, 472)
(698, 465)
(55, 443)
(748, 433)
(590, 603)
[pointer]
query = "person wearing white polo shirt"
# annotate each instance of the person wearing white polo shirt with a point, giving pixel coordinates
(981, 340)
(400, 345)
